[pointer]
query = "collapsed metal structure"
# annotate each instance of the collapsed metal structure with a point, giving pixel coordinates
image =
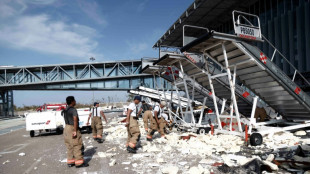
(233, 74)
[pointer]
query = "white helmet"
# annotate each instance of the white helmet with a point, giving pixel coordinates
(163, 103)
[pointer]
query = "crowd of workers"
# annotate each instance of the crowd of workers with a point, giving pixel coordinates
(73, 140)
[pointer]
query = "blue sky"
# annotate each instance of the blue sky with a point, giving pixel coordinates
(35, 32)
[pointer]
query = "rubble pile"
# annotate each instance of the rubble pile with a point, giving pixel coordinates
(283, 139)
(202, 153)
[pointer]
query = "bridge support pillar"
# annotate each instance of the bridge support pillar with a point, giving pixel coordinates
(6, 103)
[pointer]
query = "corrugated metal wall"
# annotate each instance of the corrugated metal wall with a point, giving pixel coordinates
(286, 24)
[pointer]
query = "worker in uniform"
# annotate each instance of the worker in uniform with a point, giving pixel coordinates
(132, 125)
(96, 122)
(260, 114)
(167, 123)
(157, 123)
(147, 114)
(72, 135)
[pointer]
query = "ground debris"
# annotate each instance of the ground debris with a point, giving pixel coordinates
(112, 162)
(103, 154)
(22, 154)
(195, 170)
(7, 161)
(170, 170)
(182, 163)
(253, 166)
(160, 160)
(126, 162)
(300, 133)
(270, 157)
(205, 153)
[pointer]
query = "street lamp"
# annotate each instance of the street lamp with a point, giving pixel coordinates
(92, 59)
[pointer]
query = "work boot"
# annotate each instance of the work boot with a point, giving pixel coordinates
(131, 150)
(99, 140)
(82, 165)
(139, 137)
(70, 165)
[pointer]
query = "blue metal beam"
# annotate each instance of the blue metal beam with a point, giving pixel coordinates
(122, 75)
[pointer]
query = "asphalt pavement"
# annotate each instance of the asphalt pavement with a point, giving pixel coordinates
(46, 153)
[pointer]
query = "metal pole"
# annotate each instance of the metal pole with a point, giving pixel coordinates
(187, 94)
(23, 75)
(5, 76)
(231, 87)
(252, 119)
(214, 101)
(202, 110)
(223, 105)
(294, 75)
(156, 86)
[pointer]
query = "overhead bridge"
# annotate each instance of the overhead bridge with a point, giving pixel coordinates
(112, 75)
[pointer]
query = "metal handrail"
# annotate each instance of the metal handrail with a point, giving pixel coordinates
(247, 14)
(277, 51)
(192, 26)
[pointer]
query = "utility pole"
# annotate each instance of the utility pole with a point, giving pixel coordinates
(92, 59)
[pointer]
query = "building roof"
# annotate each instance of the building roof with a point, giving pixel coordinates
(204, 13)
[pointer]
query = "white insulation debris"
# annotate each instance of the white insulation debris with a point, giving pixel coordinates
(198, 154)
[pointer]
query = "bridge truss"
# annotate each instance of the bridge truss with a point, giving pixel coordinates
(113, 75)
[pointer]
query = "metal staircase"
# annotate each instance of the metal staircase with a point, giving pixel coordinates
(182, 81)
(197, 72)
(256, 71)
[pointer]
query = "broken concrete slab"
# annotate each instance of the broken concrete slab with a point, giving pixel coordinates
(182, 163)
(7, 161)
(300, 133)
(134, 165)
(22, 154)
(112, 162)
(153, 165)
(273, 166)
(160, 160)
(126, 162)
(104, 155)
(195, 170)
(170, 170)
(270, 157)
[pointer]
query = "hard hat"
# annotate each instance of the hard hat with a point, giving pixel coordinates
(163, 103)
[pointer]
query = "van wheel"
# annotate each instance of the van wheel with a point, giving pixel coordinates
(32, 133)
(203, 130)
(58, 131)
